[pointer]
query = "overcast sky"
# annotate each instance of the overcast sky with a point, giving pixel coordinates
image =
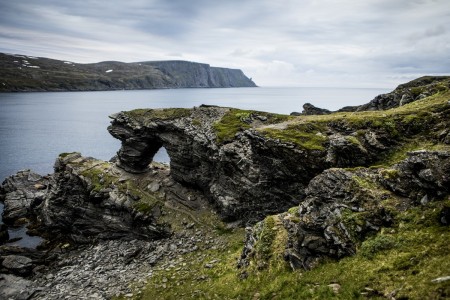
(348, 43)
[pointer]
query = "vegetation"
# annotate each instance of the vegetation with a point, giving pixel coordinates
(399, 261)
(236, 120)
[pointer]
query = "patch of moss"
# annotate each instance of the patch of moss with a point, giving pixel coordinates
(65, 154)
(99, 177)
(263, 247)
(236, 120)
(305, 136)
(399, 153)
(374, 245)
(230, 124)
(159, 114)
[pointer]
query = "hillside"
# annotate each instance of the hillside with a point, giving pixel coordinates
(20, 73)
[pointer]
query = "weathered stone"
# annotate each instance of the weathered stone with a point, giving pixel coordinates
(341, 207)
(19, 265)
(12, 287)
(19, 191)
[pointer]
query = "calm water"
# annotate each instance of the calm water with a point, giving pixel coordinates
(36, 127)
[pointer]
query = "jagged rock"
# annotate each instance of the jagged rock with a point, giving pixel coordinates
(19, 191)
(12, 287)
(243, 178)
(86, 199)
(309, 109)
(405, 93)
(18, 265)
(342, 207)
(421, 174)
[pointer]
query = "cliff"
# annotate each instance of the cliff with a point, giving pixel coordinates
(21, 73)
(341, 205)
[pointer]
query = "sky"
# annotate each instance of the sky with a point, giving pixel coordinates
(317, 43)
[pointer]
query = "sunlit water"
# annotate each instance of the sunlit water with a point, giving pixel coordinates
(36, 127)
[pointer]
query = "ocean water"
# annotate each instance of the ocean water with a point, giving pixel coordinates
(36, 127)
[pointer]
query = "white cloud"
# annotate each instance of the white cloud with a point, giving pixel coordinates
(313, 42)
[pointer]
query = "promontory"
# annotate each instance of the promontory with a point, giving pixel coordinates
(21, 73)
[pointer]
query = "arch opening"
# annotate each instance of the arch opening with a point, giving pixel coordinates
(161, 156)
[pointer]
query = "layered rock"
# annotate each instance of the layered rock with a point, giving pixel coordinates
(19, 191)
(342, 207)
(251, 164)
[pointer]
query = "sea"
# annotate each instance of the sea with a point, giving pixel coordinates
(36, 127)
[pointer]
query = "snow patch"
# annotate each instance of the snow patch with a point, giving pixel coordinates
(108, 71)
(68, 62)
(34, 67)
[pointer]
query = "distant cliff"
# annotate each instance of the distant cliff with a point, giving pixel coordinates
(20, 73)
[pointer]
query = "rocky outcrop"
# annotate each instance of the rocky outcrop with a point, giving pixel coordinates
(309, 109)
(246, 178)
(23, 74)
(251, 164)
(343, 207)
(416, 89)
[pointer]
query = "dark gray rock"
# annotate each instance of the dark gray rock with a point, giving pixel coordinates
(18, 265)
(19, 191)
(309, 109)
(4, 235)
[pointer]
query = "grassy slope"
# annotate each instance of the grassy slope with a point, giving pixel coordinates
(400, 261)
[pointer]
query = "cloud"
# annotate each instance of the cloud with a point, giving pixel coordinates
(310, 42)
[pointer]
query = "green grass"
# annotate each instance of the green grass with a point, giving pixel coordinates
(303, 139)
(397, 154)
(400, 260)
(236, 120)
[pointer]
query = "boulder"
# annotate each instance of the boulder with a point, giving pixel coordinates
(18, 265)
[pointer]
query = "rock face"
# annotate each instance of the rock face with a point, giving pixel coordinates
(22, 74)
(343, 207)
(251, 164)
(245, 178)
